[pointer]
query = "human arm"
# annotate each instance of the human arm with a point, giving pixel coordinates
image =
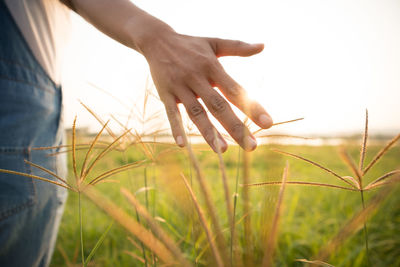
(184, 68)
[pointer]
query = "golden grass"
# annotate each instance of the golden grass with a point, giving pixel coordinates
(203, 221)
(131, 225)
(273, 233)
(157, 230)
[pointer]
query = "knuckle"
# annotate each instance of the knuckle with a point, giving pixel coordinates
(214, 67)
(171, 111)
(218, 104)
(208, 133)
(235, 91)
(238, 129)
(195, 110)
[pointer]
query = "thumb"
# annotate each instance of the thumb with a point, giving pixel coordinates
(235, 48)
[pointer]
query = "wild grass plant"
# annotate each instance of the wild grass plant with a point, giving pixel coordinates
(354, 183)
(199, 208)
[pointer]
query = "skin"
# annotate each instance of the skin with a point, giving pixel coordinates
(184, 68)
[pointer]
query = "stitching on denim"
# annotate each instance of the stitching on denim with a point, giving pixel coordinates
(33, 188)
(26, 45)
(41, 72)
(28, 83)
(32, 198)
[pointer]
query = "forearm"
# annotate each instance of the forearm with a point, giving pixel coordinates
(121, 20)
(184, 68)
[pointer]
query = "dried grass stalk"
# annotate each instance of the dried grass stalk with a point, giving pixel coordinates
(74, 151)
(102, 154)
(83, 168)
(315, 164)
(381, 180)
(301, 183)
(381, 153)
(354, 224)
(47, 171)
(203, 221)
(352, 166)
(114, 171)
(207, 197)
(170, 244)
(37, 178)
(248, 235)
(316, 262)
(271, 242)
(222, 168)
(131, 225)
(364, 143)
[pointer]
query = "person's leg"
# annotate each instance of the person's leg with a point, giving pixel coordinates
(30, 115)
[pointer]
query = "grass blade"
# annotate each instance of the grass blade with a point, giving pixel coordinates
(364, 143)
(90, 150)
(98, 243)
(300, 183)
(74, 151)
(131, 225)
(316, 262)
(271, 242)
(315, 164)
(97, 117)
(114, 171)
(279, 123)
(103, 153)
(207, 197)
(381, 153)
(382, 178)
(37, 178)
(225, 183)
(170, 244)
(355, 223)
(248, 235)
(203, 221)
(352, 166)
(47, 171)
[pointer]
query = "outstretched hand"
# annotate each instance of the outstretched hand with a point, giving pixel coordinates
(185, 68)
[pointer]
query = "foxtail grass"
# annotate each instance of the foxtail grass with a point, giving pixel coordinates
(273, 233)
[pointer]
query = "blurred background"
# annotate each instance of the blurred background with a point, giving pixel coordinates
(326, 61)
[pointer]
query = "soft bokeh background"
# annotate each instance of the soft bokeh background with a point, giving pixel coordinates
(323, 60)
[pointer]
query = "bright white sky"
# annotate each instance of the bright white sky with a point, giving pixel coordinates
(323, 60)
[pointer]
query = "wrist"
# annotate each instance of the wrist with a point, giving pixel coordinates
(146, 33)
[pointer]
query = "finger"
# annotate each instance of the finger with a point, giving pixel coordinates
(222, 111)
(224, 47)
(199, 117)
(175, 119)
(238, 96)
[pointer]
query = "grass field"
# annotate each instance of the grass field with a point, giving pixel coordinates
(311, 216)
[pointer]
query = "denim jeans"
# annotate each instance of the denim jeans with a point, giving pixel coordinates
(30, 117)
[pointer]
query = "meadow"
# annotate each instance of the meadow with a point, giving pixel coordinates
(274, 225)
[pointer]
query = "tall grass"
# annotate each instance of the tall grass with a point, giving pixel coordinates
(226, 235)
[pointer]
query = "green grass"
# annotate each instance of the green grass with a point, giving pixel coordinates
(311, 215)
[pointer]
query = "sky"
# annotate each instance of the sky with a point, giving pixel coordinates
(327, 61)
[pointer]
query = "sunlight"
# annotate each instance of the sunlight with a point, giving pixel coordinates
(325, 61)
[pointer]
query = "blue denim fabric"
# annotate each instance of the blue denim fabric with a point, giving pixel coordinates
(30, 117)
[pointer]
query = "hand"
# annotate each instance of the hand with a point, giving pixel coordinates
(185, 68)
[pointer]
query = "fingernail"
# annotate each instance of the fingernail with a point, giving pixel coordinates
(179, 141)
(220, 143)
(265, 121)
(250, 143)
(258, 44)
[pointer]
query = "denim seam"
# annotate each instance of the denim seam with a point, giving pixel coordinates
(26, 45)
(11, 62)
(28, 83)
(30, 202)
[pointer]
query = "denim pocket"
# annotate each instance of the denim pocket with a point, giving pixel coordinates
(16, 192)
